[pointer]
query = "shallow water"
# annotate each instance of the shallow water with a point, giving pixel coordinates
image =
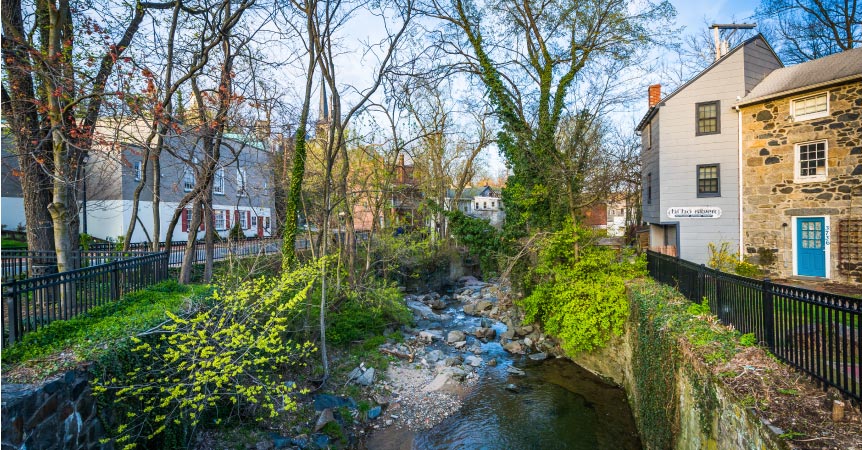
(557, 405)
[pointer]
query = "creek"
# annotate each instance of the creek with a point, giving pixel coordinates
(548, 404)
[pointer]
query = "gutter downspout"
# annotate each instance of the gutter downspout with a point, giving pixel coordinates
(739, 176)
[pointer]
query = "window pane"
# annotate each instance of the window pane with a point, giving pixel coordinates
(810, 105)
(707, 180)
(812, 159)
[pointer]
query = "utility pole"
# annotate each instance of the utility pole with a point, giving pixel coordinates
(721, 46)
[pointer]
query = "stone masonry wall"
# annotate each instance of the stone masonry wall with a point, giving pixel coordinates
(731, 424)
(770, 196)
(60, 413)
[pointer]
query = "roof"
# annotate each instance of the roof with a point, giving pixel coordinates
(823, 71)
(652, 111)
(468, 193)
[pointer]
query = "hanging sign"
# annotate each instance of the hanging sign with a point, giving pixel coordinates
(694, 212)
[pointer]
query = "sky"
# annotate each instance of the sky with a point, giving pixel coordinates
(693, 16)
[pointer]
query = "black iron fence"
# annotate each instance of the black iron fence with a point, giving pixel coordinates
(221, 250)
(33, 303)
(816, 332)
(22, 264)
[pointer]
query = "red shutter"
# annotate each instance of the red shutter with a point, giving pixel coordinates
(185, 220)
(227, 219)
(248, 219)
(236, 216)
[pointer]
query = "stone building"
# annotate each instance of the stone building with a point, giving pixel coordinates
(802, 169)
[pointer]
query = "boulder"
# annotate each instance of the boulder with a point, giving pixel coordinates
(429, 336)
(439, 382)
(528, 342)
(454, 360)
(538, 356)
(512, 387)
(523, 331)
(367, 377)
(470, 309)
(492, 362)
(374, 412)
(515, 371)
(514, 347)
(424, 311)
(456, 373)
(508, 334)
(460, 345)
(455, 336)
(437, 304)
(473, 360)
(325, 417)
(434, 356)
(484, 305)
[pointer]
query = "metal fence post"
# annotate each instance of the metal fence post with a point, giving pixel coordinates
(12, 313)
(115, 280)
(701, 282)
(768, 315)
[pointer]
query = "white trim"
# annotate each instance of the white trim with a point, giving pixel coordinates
(739, 190)
(827, 244)
(797, 177)
(218, 188)
(810, 116)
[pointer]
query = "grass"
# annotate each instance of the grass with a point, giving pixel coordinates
(89, 335)
(9, 244)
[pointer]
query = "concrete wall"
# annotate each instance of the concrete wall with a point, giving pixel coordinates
(60, 413)
(773, 198)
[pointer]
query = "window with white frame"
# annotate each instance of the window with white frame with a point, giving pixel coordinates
(811, 161)
(242, 222)
(810, 107)
(139, 168)
(240, 181)
(253, 221)
(220, 221)
(218, 181)
(188, 179)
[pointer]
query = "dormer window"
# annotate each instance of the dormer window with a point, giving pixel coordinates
(811, 107)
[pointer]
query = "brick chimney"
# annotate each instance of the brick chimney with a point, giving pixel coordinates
(654, 95)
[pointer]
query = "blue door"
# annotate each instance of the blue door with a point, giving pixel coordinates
(811, 246)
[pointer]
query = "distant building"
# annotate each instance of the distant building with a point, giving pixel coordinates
(479, 202)
(241, 191)
(802, 169)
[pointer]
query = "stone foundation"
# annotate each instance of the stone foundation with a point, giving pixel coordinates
(59, 413)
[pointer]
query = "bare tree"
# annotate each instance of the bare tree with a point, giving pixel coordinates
(808, 29)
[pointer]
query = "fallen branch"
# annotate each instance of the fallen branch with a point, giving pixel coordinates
(408, 357)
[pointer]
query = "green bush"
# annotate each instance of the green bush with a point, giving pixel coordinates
(483, 240)
(579, 294)
(367, 314)
(224, 359)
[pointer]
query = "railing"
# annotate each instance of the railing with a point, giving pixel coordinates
(223, 249)
(33, 303)
(21, 264)
(815, 332)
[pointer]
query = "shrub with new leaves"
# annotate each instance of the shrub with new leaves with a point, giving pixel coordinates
(579, 294)
(224, 357)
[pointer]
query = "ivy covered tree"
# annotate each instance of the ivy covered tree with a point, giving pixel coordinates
(529, 55)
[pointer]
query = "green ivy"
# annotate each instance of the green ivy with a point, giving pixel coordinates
(483, 240)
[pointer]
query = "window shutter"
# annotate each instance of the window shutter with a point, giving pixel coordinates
(185, 220)
(236, 216)
(248, 219)
(227, 219)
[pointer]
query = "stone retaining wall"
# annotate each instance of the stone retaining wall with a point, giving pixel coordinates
(59, 413)
(708, 416)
